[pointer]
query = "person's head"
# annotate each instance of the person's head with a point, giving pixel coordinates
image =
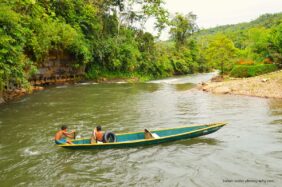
(99, 128)
(64, 127)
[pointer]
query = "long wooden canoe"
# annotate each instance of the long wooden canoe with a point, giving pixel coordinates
(135, 139)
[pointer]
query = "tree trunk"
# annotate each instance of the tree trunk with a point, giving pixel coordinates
(221, 69)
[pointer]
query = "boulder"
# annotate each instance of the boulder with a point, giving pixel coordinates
(217, 79)
(37, 88)
(2, 100)
(222, 90)
(264, 80)
(204, 84)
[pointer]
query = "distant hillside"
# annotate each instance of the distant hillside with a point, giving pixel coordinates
(266, 20)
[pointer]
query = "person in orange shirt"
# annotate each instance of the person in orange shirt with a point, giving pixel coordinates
(60, 137)
(97, 135)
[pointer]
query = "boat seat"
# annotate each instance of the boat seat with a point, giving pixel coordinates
(149, 135)
(155, 135)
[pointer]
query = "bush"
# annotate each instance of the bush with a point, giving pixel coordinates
(245, 62)
(252, 70)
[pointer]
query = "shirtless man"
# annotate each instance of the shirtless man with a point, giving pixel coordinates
(60, 137)
(97, 135)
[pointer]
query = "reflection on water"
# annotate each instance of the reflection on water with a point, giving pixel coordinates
(195, 141)
(249, 147)
(183, 87)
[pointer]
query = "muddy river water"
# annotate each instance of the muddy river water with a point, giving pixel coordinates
(248, 151)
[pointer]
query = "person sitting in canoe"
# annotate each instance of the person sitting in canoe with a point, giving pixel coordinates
(97, 135)
(60, 137)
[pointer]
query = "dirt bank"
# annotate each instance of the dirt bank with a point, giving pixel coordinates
(267, 85)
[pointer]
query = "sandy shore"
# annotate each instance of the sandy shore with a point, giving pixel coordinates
(267, 86)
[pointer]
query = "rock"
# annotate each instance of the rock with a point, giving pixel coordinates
(38, 88)
(217, 79)
(19, 91)
(222, 90)
(264, 80)
(205, 89)
(2, 100)
(203, 84)
(23, 90)
(16, 91)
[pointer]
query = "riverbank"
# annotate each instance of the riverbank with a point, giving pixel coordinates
(118, 80)
(267, 86)
(19, 92)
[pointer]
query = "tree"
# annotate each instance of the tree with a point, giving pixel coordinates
(12, 39)
(221, 53)
(135, 13)
(275, 44)
(182, 26)
(257, 43)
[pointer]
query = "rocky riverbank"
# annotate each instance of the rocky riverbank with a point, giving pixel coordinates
(267, 86)
(13, 94)
(10, 95)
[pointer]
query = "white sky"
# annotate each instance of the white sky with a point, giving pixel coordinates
(211, 13)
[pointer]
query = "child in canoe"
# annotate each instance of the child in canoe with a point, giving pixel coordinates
(60, 137)
(97, 135)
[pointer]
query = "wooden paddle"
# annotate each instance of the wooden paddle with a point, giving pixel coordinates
(93, 137)
(74, 134)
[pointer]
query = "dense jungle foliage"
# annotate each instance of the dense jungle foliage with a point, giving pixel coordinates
(254, 44)
(109, 38)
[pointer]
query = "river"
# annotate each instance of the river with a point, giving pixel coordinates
(248, 151)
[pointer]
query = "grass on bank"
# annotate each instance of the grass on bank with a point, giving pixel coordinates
(241, 71)
(106, 75)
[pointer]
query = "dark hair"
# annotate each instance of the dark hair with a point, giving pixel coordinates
(64, 127)
(99, 128)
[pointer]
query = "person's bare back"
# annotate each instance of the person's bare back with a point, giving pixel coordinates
(60, 137)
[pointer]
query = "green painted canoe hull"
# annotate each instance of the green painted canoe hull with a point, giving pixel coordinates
(137, 139)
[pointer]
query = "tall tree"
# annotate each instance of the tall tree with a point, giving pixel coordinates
(183, 26)
(221, 53)
(12, 39)
(257, 43)
(275, 44)
(135, 13)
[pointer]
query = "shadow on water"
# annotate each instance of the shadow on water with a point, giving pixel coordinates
(193, 141)
(148, 87)
(275, 107)
(184, 87)
(189, 142)
(277, 122)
